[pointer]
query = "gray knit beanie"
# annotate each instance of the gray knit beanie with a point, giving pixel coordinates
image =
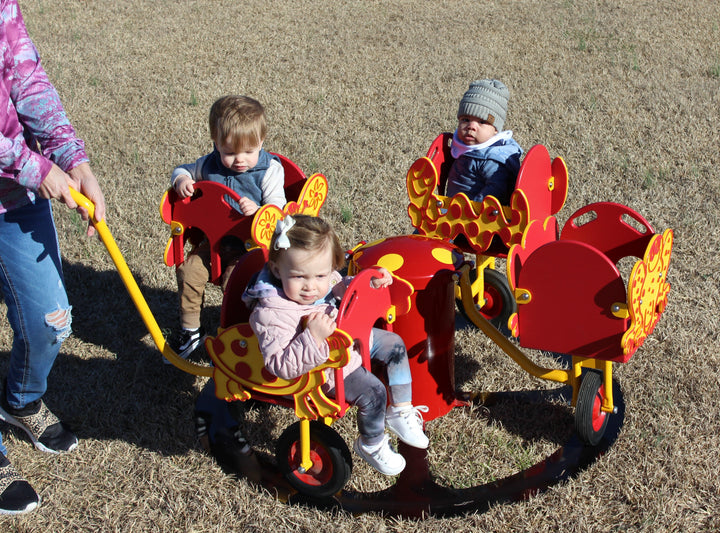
(486, 99)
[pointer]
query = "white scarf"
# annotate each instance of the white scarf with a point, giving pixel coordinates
(460, 148)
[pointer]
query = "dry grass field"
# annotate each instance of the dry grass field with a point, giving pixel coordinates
(627, 93)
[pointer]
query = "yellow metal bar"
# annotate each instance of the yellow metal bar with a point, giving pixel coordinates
(607, 405)
(559, 375)
(606, 368)
(135, 294)
(478, 286)
(577, 365)
(305, 461)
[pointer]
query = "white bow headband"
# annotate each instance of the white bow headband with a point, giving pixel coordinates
(283, 226)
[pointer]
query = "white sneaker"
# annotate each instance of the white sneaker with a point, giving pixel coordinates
(407, 424)
(381, 457)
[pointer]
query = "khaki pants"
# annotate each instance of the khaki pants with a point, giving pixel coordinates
(194, 274)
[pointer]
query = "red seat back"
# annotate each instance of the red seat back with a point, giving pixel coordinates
(439, 154)
(614, 229)
(234, 310)
(209, 213)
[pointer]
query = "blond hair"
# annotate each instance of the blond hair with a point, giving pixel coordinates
(311, 234)
(239, 121)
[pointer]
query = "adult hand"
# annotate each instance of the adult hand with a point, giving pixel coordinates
(55, 186)
(84, 181)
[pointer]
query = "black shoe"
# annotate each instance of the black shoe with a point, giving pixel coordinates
(232, 451)
(186, 341)
(45, 430)
(16, 495)
(229, 447)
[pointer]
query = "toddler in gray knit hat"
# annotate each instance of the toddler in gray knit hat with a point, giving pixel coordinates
(487, 158)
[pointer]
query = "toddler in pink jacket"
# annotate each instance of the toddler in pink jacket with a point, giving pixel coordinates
(294, 302)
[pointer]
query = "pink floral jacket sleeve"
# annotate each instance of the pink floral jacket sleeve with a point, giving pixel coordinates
(31, 116)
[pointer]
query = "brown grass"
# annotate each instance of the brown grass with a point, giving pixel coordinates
(627, 93)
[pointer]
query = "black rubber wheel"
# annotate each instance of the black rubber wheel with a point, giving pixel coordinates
(590, 420)
(498, 300)
(330, 455)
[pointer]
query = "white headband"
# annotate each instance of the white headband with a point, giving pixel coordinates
(281, 229)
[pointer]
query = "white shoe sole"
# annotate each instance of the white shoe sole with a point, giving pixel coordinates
(369, 460)
(10, 419)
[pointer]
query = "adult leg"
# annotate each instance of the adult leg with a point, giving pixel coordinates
(34, 291)
(40, 317)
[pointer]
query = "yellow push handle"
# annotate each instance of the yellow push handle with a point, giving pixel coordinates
(135, 294)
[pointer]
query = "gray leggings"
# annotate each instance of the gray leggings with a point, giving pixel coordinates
(364, 390)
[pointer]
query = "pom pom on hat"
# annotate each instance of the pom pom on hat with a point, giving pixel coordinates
(486, 99)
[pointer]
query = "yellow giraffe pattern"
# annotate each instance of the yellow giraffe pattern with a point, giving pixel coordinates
(311, 199)
(648, 291)
(239, 371)
(447, 217)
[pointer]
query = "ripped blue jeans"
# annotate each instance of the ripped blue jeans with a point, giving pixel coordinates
(37, 305)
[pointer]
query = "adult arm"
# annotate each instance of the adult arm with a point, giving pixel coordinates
(41, 118)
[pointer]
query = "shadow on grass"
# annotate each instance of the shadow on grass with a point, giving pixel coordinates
(534, 415)
(129, 394)
(136, 398)
(417, 495)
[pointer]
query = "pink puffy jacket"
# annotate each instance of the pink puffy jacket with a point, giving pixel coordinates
(289, 350)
